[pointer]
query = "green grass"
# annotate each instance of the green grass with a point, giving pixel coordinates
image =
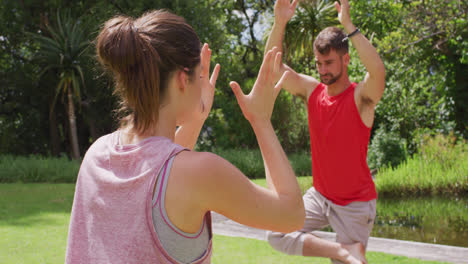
(34, 222)
(230, 250)
(305, 182)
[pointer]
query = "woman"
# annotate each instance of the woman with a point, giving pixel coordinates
(142, 196)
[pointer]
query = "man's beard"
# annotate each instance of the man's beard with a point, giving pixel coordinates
(332, 79)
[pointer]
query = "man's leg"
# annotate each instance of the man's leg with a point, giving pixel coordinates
(337, 252)
(353, 223)
(293, 243)
(303, 243)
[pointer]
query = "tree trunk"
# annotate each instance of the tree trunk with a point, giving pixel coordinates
(54, 136)
(72, 121)
(90, 121)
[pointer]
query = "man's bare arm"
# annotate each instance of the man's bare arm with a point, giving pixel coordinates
(297, 84)
(370, 91)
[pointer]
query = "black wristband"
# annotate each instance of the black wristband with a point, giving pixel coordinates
(352, 34)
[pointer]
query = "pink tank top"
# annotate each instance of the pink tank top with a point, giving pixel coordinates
(111, 220)
(338, 142)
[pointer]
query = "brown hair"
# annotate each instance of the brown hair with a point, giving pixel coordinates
(331, 38)
(142, 53)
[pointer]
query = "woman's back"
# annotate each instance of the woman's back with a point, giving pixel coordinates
(162, 80)
(111, 220)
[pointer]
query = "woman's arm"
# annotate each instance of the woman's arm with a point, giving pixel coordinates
(187, 134)
(204, 181)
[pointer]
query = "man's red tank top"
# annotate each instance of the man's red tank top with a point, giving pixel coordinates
(338, 142)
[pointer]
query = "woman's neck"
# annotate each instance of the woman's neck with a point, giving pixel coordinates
(166, 127)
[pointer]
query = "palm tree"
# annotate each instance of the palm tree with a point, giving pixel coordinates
(61, 51)
(311, 17)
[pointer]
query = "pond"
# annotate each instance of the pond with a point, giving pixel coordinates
(430, 220)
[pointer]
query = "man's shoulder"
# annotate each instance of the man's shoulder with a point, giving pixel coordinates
(313, 89)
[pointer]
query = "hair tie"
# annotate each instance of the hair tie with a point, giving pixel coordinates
(134, 28)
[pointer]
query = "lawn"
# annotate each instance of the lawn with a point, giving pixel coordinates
(34, 224)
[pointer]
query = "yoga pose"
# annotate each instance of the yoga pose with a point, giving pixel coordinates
(341, 114)
(142, 195)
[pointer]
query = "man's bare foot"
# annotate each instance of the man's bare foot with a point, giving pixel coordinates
(357, 253)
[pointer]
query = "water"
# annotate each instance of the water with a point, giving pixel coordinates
(430, 220)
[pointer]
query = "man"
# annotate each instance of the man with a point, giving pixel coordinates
(341, 114)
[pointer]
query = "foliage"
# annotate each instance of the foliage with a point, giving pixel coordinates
(426, 72)
(440, 167)
(37, 169)
(386, 149)
(250, 162)
(423, 45)
(60, 169)
(62, 52)
(310, 18)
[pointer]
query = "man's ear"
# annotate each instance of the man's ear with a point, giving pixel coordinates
(346, 59)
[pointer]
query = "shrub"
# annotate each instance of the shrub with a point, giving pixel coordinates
(439, 167)
(37, 169)
(386, 149)
(250, 162)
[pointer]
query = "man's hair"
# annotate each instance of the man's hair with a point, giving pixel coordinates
(331, 38)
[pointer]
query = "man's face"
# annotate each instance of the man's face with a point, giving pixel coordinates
(330, 66)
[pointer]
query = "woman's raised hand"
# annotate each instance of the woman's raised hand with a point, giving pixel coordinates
(208, 84)
(258, 105)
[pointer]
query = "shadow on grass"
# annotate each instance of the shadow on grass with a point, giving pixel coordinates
(30, 204)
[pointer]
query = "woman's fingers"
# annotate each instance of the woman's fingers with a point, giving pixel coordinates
(205, 57)
(278, 61)
(265, 68)
(237, 91)
(279, 85)
(294, 4)
(214, 75)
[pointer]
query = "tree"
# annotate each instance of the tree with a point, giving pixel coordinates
(62, 52)
(421, 43)
(311, 17)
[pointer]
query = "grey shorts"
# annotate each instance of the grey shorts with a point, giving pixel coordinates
(352, 223)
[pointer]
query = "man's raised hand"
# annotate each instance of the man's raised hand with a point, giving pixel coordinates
(284, 10)
(343, 12)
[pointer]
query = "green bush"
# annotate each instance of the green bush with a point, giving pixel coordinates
(301, 163)
(63, 170)
(37, 169)
(250, 162)
(386, 149)
(440, 167)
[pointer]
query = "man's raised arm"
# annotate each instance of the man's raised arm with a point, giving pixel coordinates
(284, 11)
(372, 88)
(297, 84)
